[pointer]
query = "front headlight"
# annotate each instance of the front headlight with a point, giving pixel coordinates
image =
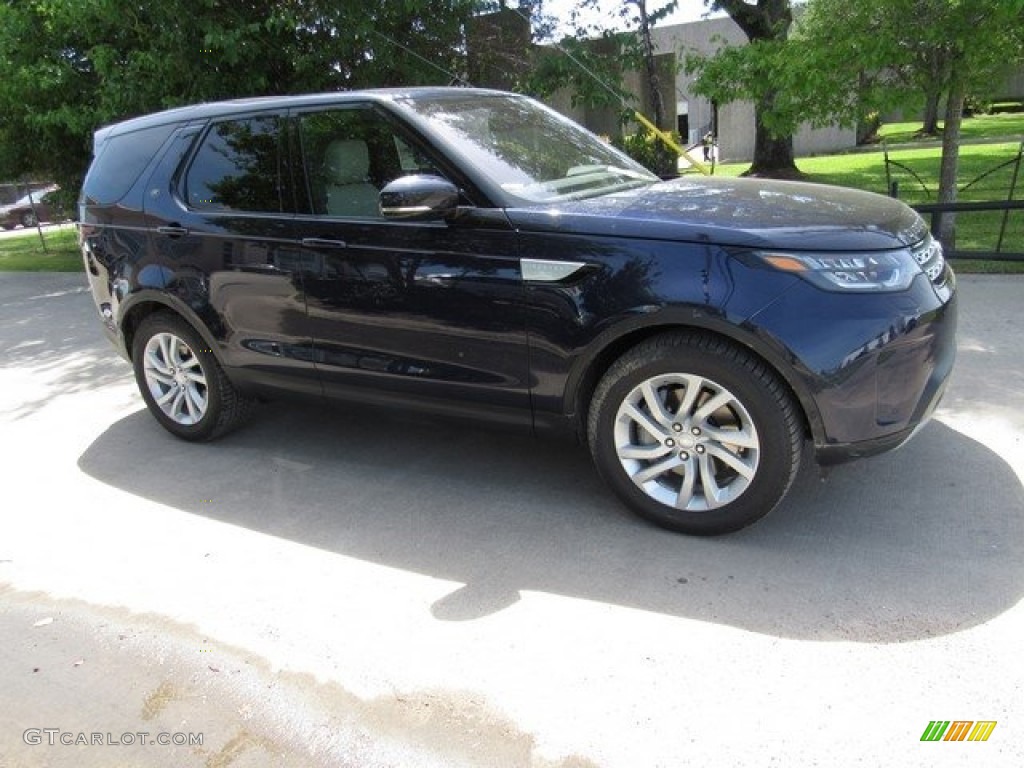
(882, 272)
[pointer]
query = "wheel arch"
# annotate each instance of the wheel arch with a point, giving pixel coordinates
(146, 303)
(609, 347)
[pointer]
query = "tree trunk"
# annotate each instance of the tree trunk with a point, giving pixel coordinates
(765, 20)
(773, 155)
(930, 123)
(946, 225)
(665, 158)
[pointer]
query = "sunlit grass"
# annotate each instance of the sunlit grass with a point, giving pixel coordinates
(980, 127)
(25, 252)
(988, 169)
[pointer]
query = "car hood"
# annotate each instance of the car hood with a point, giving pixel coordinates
(752, 213)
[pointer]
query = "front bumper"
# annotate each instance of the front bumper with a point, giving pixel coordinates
(869, 369)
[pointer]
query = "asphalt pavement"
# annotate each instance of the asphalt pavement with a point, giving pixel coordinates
(344, 587)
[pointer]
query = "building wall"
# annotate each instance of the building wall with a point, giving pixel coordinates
(736, 120)
(1013, 86)
(735, 128)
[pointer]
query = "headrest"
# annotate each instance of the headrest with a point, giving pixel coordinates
(346, 162)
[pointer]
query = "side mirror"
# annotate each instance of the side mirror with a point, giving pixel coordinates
(419, 198)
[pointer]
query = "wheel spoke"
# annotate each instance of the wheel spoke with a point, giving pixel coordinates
(174, 350)
(156, 362)
(161, 377)
(741, 438)
(643, 452)
(165, 353)
(643, 420)
(652, 471)
(176, 407)
(712, 492)
(655, 404)
(194, 403)
(712, 405)
(685, 495)
(165, 400)
(734, 461)
(694, 384)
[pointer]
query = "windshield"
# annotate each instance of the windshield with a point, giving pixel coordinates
(530, 151)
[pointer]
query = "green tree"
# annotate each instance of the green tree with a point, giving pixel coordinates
(70, 66)
(593, 61)
(756, 72)
(878, 55)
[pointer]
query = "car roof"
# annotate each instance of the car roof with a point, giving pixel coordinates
(207, 110)
(36, 194)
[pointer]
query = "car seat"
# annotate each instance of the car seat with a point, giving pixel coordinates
(347, 188)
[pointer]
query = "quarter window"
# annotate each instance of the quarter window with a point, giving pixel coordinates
(121, 161)
(237, 167)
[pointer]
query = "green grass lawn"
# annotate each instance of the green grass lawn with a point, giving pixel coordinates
(1007, 126)
(975, 231)
(24, 253)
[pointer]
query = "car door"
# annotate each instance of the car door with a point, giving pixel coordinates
(425, 312)
(225, 239)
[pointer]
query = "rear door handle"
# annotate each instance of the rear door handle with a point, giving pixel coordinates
(173, 230)
(321, 242)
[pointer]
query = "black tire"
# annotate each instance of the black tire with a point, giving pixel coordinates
(695, 434)
(28, 219)
(181, 381)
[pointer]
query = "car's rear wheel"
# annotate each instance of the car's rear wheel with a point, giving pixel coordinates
(181, 381)
(29, 219)
(695, 433)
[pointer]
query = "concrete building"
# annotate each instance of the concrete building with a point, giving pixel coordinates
(500, 54)
(732, 124)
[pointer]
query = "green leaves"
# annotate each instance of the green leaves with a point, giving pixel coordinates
(72, 65)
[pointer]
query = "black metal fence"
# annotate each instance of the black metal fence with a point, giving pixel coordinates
(937, 210)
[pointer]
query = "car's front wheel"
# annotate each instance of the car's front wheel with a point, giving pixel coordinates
(181, 381)
(695, 433)
(28, 219)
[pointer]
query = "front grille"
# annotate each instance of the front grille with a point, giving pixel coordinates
(928, 253)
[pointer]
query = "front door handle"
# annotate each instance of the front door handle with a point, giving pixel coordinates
(172, 230)
(267, 269)
(322, 242)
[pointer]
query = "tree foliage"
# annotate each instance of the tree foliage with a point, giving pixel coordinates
(593, 61)
(846, 59)
(755, 72)
(903, 52)
(876, 56)
(70, 66)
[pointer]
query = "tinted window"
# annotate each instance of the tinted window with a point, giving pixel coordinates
(237, 167)
(349, 155)
(120, 162)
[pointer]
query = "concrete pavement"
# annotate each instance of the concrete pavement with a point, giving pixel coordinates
(344, 587)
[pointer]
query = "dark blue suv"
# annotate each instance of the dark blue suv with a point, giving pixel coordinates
(474, 254)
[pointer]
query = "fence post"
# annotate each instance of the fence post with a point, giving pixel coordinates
(1013, 189)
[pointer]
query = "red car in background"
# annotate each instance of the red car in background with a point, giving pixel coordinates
(31, 209)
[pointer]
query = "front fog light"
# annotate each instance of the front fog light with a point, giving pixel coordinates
(881, 272)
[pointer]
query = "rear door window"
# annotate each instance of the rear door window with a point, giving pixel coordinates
(237, 167)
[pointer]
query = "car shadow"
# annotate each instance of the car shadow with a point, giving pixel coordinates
(925, 541)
